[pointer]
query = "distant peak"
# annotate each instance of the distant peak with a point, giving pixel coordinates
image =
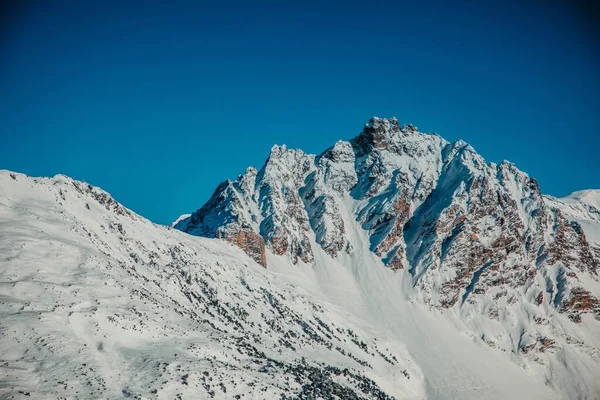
(251, 171)
(585, 193)
(62, 178)
(278, 150)
(589, 196)
(179, 219)
(283, 154)
(341, 151)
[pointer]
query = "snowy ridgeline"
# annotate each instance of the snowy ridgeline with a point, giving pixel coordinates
(398, 265)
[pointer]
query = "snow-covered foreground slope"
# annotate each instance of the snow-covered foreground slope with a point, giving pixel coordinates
(97, 302)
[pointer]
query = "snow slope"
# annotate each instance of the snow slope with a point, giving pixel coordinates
(97, 302)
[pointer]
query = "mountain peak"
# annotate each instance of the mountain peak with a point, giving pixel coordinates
(421, 201)
(376, 121)
(379, 132)
(277, 150)
(590, 197)
(457, 232)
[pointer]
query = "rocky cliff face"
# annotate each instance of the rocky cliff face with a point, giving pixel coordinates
(463, 233)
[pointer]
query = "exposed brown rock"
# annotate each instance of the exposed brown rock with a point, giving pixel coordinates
(290, 236)
(396, 262)
(397, 217)
(546, 344)
(279, 242)
(462, 251)
(252, 243)
(571, 247)
(392, 238)
(539, 299)
(376, 134)
(581, 301)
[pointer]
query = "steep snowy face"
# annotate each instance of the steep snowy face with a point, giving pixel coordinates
(98, 302)
(284, 221)
(462, 234)
(265, 205)
(397, 169)
(577, 244)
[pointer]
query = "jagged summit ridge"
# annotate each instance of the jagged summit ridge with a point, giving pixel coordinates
(359, 167)
(419, 198)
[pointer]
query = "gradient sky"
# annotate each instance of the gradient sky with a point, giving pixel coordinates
(158, 104)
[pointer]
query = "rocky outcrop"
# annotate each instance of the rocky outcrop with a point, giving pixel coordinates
(391, 230)
(324, 216)
(252, 243)
(284, 220)
(223, 217)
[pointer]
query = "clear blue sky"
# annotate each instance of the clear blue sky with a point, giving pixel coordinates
(159, 103)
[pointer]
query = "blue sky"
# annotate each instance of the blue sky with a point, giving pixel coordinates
(158, 104)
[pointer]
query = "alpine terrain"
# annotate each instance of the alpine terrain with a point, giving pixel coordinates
(393, 265)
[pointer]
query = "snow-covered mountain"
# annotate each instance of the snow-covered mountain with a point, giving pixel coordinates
(474, 240)
(394, 265)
